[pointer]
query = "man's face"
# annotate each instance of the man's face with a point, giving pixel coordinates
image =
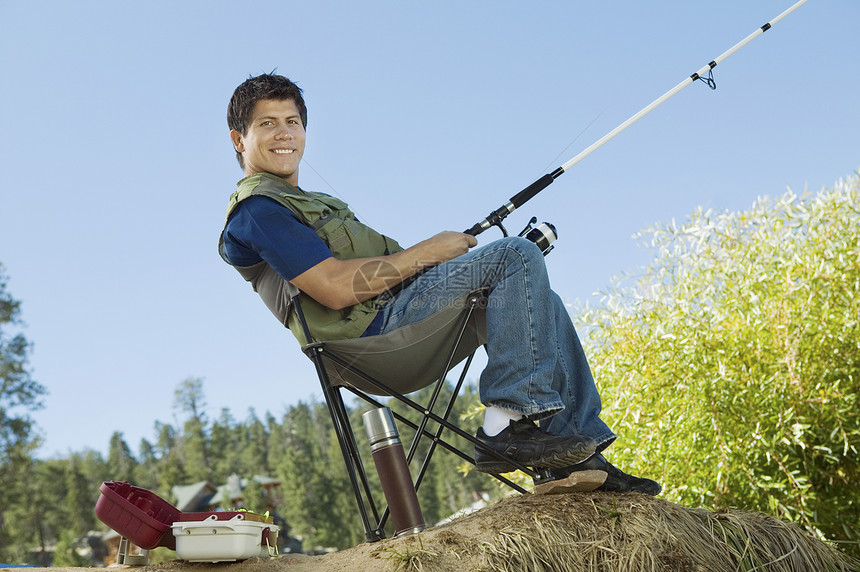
(275, 141)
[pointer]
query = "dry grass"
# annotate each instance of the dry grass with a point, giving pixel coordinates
(631, 533)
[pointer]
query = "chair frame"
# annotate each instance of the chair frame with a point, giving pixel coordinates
(373, 520)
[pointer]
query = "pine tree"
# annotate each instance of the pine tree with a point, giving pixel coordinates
(190, 398)
(146, 472)
(253, 446)
(121, 463)
(78, 499)
(171, 468)
(224, 446)
(19, 394)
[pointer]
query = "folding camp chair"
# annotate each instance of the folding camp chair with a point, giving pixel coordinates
(394, 364)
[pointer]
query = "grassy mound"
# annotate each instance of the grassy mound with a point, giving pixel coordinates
(606, 532)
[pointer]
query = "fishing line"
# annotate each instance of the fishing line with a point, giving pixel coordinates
(333, 190)
(496, 217)
(563, 151)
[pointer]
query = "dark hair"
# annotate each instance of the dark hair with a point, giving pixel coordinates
(254, 89)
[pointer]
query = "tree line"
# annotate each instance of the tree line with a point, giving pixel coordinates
(48, 505)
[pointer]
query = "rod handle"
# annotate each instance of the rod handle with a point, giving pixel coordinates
(521, 197)
(518, 200)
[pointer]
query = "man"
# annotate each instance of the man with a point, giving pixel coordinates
(536, 370)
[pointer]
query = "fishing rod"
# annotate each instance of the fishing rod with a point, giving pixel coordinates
(545, 233)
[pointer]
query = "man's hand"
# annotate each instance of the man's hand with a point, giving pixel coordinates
(443, 247)
(341, 283)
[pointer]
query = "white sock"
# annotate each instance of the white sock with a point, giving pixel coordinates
(497, 419)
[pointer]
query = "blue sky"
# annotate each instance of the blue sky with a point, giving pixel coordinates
(116, 165)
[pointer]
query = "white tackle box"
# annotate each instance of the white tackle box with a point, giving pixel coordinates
(221, 537)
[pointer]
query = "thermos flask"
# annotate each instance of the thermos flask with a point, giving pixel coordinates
(390, 461)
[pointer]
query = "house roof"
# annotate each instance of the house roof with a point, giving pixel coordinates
(201, 496)
(193, 497)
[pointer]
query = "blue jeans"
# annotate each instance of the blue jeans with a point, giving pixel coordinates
(535, 362)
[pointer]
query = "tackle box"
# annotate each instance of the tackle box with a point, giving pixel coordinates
(222, 536)
(149, 521)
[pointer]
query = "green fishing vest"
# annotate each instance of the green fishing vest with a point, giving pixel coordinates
(346, 237)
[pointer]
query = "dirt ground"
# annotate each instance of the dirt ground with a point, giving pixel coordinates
(571, 532)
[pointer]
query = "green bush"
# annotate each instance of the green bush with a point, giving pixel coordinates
(730, 367)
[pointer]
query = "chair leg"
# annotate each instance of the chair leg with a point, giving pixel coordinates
(437, 390)
(343, 431)
(351, 456)
(439, 428)
(372, 533)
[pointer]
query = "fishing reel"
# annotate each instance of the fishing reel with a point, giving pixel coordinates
(543, 235)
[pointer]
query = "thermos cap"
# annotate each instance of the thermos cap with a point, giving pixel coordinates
(379, 424)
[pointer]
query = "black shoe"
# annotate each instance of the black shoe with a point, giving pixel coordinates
(616, 480)
(527, 444)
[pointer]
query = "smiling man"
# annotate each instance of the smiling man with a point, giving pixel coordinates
(273, 141)
(278, 233)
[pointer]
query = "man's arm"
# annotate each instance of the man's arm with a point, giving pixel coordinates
(342, 283)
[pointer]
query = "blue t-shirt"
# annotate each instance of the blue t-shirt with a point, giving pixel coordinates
(260, 229)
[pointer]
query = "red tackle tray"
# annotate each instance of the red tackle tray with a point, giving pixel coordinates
(137, 514)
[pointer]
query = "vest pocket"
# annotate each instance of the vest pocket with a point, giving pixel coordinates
(339, 241)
